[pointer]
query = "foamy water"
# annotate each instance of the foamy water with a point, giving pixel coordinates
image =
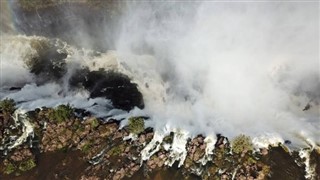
(203, 68)
(229, 68)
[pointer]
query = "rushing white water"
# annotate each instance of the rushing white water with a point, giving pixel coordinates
(178, 150)
(229, 67)
(268, 139)
(204, 68)
(27, 129)
(310, 169)
(210, 142)
(152, 147)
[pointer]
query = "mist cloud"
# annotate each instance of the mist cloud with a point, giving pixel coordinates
(231, 67)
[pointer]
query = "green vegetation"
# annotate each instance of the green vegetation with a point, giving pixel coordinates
(27, 165)
(61, 113)
(85, 148)
(136, 125)
(117, 150)
(9, 168)
(77, 126)
(64, 149)
(251, 160)
(94, 123)
(266, 169)
(88, 144)
(8, 106)
(241, 144)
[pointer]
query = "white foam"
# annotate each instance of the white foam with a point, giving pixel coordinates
(210, 142)
(263, 141)
(178, 150)
(27, 129)
(310, 169)
(152, 147)
(205, 67)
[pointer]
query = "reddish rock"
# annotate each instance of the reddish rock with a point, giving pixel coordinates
(203, 147)
(264, 151)
(200, 139)
(224, 177)
(135, 168)
(149, 135)
(142, 139)
(127, 149)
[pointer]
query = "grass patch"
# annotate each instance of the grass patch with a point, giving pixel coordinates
(94, 123)
(61, 113)
(241, 144)
(27, 165)
(136, 125)
(9, 168)
(117, 150)
(86, 148)
(8, 106)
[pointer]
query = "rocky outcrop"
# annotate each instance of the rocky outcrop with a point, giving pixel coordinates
(19, 161)
(112, 85)
(113, 153)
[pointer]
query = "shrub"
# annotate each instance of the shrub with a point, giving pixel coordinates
(94, 123)
(8, 106)
(61, 113)
(86, 148)
(9, 168)
(136, 125)
(241, 144)
(116, 150)
(27, 165)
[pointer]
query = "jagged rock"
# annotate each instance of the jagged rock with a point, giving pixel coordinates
(203, 147)
(224, 177)
(200, 139)
(264, 151)
(142, 139)
(21, 154)
(119, 174)
(135, 168)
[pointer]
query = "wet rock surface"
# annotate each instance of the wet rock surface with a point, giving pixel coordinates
(112, 85)
(48, 63)
(88, 148)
